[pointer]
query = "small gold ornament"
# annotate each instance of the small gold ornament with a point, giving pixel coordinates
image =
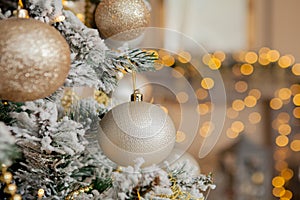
(35, 59)
(117, 16)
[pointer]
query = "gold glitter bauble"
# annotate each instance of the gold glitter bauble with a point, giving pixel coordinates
(129, 17)
(34, 59)
(136, 129)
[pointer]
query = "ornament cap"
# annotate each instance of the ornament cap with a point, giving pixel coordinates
(137, 95)
(22, 13)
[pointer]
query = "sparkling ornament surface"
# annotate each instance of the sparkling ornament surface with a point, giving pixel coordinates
(136, 129)
(117, 16)
(34, 62)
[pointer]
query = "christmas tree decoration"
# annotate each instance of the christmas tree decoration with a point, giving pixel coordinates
(136, 129)
(35, 59)
(129, 17)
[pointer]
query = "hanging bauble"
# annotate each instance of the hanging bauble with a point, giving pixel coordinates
(128, 17)
(34, 62)
(136, 129)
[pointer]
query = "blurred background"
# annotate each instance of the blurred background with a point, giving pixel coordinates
(255, 47)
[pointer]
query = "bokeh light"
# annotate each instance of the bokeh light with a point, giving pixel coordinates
(295, 145)
(238, 105)
(295, 88)
(254, 117)
(184, 57)
(276, 103)
(255, 92)
(231, 133)
(241, 86)
(201, 93)
(180, 136)
(250, 101)
(296, 69)
(287, 174)
(251, 57)
(177, 72)
(278, 191)
(237, 126)
(296, 100)
(285, 61)
(296, 112)
(220, 55)
(247, 69)
(207, 83)
(203, 109)
(182, 97)
(284, 129)
(283, 117)
(231, 113)
(278, 181)
(273, 55)
(282, 140)
(284, 93)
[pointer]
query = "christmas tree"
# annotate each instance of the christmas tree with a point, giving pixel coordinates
(48, 133)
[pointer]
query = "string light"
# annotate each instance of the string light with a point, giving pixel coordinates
(276, 103)
(241, 86)
(296, 69)
(296, 100)
(247, 69)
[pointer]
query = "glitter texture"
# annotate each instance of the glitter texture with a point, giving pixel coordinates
(128, 17)
(34, 62)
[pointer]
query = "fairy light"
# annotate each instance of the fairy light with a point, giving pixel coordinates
(287, 195)
(236, 70)
(41, 193)
(214, 63)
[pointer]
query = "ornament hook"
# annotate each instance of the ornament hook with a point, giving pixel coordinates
(137, 95)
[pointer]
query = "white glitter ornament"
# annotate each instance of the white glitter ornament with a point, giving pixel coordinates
(136, 129)
(128, 17)
(34, 62)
